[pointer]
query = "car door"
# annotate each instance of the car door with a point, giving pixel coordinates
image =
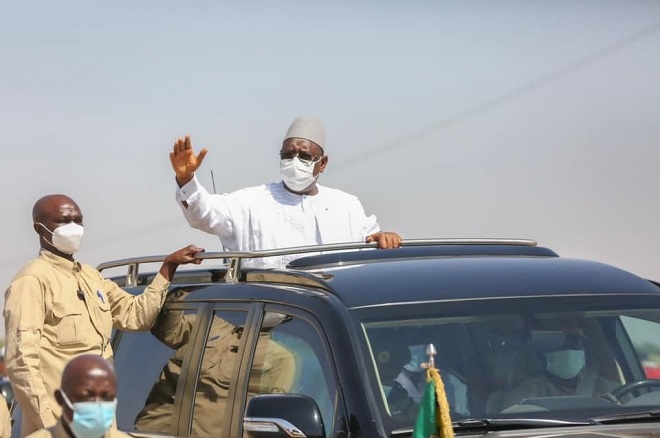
(151, 371)
(289, 354)
(177, 379)
(208, 397)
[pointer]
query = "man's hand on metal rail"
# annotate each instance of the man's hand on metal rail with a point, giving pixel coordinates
(181, 257)
(385, 239)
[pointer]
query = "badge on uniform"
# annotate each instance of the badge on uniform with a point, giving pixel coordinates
(100, 295)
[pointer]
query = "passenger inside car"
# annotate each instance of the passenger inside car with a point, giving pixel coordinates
(389, 356)
(409, 386)
(403, 377)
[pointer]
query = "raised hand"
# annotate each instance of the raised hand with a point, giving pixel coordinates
(184, 161)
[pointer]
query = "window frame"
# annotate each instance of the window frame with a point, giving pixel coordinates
(188, 389)
(242, 382)
(199, 310)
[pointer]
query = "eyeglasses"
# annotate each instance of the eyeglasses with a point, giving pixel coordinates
(303, 156)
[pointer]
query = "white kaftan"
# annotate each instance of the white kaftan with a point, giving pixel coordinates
(269, 217)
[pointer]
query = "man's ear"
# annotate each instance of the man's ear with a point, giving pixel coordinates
(37, 228)
(67, 413)
(323, 162)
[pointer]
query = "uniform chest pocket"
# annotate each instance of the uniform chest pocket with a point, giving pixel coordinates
(67, 322)
(102, 301)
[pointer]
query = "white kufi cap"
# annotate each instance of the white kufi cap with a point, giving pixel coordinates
(307, 128)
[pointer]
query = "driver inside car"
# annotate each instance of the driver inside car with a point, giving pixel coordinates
(562, 348)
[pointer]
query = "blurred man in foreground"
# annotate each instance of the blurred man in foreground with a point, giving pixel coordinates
(88, 397)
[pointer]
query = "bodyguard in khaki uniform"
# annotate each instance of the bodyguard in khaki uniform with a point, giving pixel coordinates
(57, 308)
(273, 370)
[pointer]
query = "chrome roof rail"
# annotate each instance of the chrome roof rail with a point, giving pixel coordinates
(234, 258)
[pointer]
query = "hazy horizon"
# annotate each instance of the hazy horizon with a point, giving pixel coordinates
(511, 119)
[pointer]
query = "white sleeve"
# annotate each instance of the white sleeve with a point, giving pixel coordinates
(206, 212)
(368, 225)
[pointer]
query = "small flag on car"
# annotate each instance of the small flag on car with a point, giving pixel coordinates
(433, 418)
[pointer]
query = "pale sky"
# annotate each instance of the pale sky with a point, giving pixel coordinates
(512, 119)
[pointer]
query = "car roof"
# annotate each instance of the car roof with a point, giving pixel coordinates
(447, 278)
(420, 271)
(519, 248)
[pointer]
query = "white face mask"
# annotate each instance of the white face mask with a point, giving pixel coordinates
(66, 238)
(565, 364)
(296, 174)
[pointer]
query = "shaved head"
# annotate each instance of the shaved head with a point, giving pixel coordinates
(50, 212)
(86, 378)
(49, 205)
(85, 366)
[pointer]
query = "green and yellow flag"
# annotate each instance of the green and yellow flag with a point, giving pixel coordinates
(433, 419)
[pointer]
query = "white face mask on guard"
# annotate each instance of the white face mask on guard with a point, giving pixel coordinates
(297, 175)
(66, 238)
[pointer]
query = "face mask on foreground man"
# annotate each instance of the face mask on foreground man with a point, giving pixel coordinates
(88, 397)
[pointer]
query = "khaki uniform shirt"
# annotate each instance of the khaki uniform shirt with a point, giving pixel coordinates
(5, 419)
(58, 431)
(273, 372)
(56, 309)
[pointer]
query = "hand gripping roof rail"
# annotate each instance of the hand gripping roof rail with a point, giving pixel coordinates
(234, 258)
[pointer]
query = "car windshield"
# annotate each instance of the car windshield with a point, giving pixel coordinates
(500, 364)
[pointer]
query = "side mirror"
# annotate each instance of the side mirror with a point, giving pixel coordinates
(283, 416)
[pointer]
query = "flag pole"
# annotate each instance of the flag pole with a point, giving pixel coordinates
(433, 417)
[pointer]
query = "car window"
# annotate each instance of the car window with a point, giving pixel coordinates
(644, 336)
(219, 360)
(399, 355)
(555, 365)
(149, 368)
(291, 357)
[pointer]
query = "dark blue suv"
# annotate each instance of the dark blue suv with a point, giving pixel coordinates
(528, 344)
